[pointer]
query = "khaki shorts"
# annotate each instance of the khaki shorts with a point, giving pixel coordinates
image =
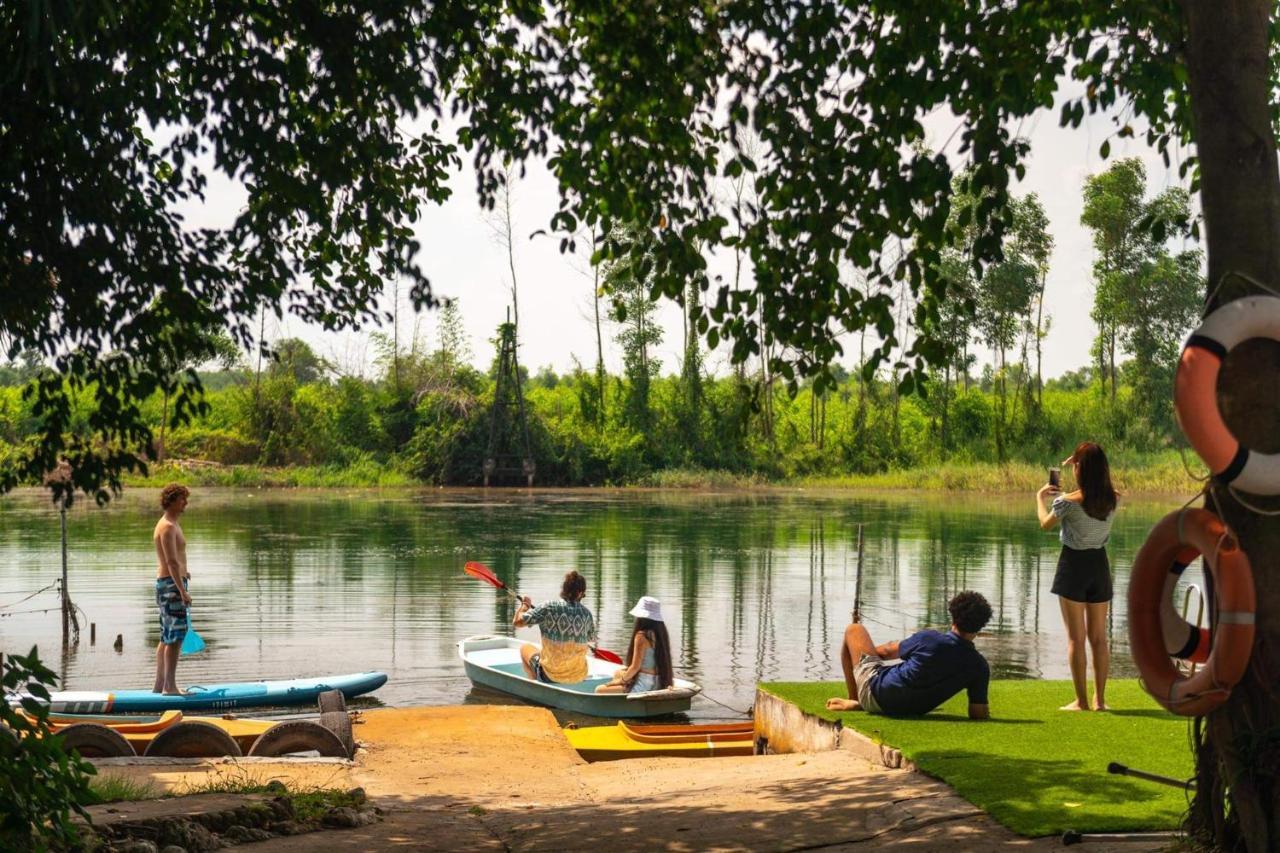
(868, 667)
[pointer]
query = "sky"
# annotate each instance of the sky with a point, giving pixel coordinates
(464, 259)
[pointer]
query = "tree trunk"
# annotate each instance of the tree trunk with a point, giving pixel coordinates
(1227, 50)
(600, 375)
(164, 421)
(1039, 339)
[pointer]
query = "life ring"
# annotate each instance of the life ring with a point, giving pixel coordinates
(1177, 539)
(1195, 393)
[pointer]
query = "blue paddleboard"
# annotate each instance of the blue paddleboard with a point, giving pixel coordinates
(215, 697)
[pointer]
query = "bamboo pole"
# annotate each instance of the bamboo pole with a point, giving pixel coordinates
(66, 600)
(856, 616)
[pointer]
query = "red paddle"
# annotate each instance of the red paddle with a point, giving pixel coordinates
(481, 572)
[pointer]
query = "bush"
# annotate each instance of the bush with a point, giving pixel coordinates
(41, 784)
(212, 445)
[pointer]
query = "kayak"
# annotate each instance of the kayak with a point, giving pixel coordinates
(494, 662)
(215, 697)
(609, 743)
(140, 731)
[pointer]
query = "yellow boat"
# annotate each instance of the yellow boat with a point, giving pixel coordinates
(609, 743)
(139, 731)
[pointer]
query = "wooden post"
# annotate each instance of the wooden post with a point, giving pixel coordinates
(856, 616)
(66, 600)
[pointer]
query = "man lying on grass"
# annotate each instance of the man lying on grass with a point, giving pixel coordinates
(933, 666)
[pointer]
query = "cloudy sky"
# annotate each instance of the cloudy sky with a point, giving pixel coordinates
(464, 260)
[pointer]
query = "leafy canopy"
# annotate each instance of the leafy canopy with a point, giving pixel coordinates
(114, 115)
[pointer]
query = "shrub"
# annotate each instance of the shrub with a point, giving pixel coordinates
(41, 784)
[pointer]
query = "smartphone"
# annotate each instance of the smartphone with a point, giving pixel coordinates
(1053, 477)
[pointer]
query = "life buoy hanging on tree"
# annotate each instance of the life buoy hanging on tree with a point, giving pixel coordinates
(1174, 542)
(1195, 393)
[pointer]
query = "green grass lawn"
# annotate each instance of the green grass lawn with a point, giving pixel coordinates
(1035, 769)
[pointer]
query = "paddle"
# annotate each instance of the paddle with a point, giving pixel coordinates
(481, 572)
(193, 642)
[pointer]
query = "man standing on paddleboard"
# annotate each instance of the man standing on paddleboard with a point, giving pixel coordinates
(172, 580)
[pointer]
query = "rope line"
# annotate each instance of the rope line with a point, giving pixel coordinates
(723, 705)
(1256, 510)
(1245, 277)
(29, 597)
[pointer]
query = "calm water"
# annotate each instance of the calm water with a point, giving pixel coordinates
(755, 586)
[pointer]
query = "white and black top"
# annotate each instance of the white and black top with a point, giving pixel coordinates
(1081, 531)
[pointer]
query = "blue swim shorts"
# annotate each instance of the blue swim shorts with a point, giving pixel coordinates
(173, 613)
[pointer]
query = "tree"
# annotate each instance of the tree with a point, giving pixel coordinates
(294, 357)
(112, 116)
(632, 308)
(1113, 210)
(307, 109)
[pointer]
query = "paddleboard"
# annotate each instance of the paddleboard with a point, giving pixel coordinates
(215, 697)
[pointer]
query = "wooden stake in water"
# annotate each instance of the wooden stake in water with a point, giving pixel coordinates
(856, 616)
(66, 601)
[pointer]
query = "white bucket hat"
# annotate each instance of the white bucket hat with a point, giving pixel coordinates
(647, 607)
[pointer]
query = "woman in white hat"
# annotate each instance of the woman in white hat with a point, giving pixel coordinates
(649, 655)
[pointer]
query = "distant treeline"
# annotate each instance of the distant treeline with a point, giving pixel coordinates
(427, 414)
(429, 417)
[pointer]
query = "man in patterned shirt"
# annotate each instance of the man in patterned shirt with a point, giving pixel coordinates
(568, 630)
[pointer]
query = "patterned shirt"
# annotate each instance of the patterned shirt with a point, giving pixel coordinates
(567, 630)
(1081, 531)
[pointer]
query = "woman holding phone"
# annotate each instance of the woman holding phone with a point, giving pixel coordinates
(1083, 579)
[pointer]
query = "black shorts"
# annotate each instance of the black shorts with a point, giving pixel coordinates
(1083, 575)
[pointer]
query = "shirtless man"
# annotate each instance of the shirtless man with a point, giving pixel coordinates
(172, 579)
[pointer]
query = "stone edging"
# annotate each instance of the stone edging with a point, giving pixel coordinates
(781, 727)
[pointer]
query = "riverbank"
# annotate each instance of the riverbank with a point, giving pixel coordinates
(1158, 474)
(482, 777)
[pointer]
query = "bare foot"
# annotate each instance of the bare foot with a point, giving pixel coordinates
(837, 704)
(1101, 706)
(1074, 706)
(178, 692)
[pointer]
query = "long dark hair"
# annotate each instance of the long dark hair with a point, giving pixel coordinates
(1094, 479)
(656, 633)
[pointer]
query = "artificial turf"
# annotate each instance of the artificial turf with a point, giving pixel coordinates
(1035, 769)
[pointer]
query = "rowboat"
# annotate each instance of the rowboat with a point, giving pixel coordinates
(140, 731)
(215, 697)
(494, 662)
(609, 743)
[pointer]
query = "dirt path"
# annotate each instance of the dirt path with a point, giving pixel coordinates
(504, 778)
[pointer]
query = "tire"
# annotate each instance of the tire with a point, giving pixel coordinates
(340, 724)
(332, 700)
(191, 739)
(95, 741)
(298, 736)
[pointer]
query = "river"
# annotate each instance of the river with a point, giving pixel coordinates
(756, 586)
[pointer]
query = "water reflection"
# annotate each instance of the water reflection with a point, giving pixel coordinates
(757, 586)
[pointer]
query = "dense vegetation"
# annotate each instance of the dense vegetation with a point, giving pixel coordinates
(427, 414)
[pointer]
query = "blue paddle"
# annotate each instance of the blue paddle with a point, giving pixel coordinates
(193, 642)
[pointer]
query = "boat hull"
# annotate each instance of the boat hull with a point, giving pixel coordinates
(494, 662)
(140, 731)
(216, 697)
(611, 743)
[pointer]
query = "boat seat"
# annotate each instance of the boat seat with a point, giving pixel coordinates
(587, 685)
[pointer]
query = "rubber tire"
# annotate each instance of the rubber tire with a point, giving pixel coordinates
(298, 736)
(192, 739)
(332, 700)
(92, 740)
(340, 724)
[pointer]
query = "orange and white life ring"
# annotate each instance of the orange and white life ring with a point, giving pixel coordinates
(1195, 393)
(1177, 539)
